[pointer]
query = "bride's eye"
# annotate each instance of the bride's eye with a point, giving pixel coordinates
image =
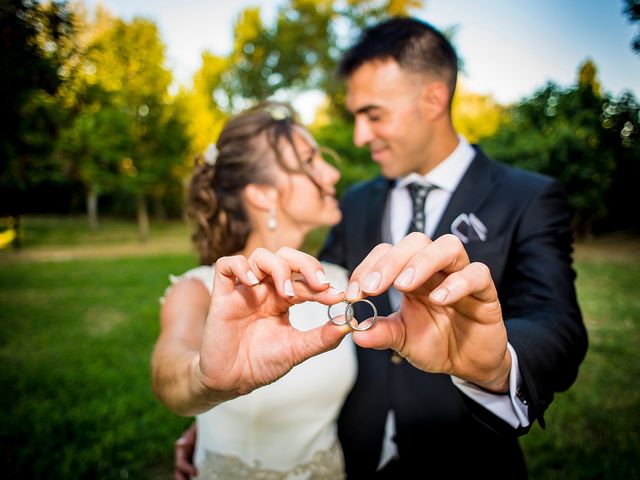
(309, 158)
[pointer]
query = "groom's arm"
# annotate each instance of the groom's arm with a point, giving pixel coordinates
(543, 319)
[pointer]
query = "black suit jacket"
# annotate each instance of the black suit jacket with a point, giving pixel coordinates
(528, 249)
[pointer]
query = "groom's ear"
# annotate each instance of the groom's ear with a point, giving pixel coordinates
(260, 196)
(434, 99)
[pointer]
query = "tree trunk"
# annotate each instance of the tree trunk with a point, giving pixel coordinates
(143, 219)
(14, 222)
(161, 213)
(92, 209)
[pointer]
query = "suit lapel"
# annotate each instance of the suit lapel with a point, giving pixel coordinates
(475, 186)
(373, 221)
(374, 213)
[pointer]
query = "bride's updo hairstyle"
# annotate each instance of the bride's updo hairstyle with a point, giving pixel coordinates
(244, 153)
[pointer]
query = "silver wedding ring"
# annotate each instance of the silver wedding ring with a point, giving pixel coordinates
(349, 316)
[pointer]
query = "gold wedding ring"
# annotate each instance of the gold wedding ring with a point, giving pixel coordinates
(349, 316)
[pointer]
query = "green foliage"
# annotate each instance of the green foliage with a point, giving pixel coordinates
(124, 134)
(203, 114)
(475, 116)
(138, 83)
(293, 53)
(28, 78)
(299, 50)
(621, 121)
(87, 108)
(354, 163)
(632, 10)
(95, 143)
(576, 135)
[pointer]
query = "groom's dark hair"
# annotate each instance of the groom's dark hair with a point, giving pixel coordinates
(415, 46)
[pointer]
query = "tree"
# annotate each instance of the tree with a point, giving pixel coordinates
(95, 146)
(119, 90)
(300, 49)
(139, 81)
(96, 132)
(632, 10)
(620, 119)
(573, 134)
(353, 162)
(476, 116)
(203, 107)
(292, 53)
(30, 38)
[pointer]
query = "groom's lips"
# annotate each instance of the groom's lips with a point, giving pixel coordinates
(378, 154)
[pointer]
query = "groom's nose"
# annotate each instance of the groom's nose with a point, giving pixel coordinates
(362, 133)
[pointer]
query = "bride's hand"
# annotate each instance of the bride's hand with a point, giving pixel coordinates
(248, 341)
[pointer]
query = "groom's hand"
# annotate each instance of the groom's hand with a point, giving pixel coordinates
(450, 320)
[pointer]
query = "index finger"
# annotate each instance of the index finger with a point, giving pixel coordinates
(309, 268)
(412, 262)
(381, 266)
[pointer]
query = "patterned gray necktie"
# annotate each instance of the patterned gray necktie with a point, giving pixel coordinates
(419, 195)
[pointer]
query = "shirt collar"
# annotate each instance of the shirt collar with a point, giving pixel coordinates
(448, 173)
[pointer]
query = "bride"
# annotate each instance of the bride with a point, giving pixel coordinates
(253, 198)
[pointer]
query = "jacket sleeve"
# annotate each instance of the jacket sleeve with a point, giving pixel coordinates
(539, 302)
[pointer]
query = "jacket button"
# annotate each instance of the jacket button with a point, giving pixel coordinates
(396, 359)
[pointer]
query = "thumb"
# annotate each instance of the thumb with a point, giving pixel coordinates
(318, 340)
(388, 332)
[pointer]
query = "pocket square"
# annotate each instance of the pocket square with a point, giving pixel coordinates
(469, 228)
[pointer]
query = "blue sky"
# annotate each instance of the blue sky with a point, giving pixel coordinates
(510, 47)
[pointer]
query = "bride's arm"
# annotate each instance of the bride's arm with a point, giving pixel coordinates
(176, 353)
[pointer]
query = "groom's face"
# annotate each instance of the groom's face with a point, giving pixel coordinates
(386, 101)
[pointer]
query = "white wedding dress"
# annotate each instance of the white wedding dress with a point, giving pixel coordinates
(285, 430)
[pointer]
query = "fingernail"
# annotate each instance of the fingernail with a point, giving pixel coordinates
(405, 278)
(439, 294)
(371, 281)
(288, 288)
(353, 290)
(320, 276)
(335, 291)
(252, 277)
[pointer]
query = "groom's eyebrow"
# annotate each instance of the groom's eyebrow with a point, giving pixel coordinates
(366, 109)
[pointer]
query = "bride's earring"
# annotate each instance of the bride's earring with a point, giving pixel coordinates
(272, 222)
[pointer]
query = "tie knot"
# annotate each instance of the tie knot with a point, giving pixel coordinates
(418, 192)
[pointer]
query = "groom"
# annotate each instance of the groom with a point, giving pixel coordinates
(401, 77)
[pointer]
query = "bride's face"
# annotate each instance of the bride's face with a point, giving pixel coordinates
(302, 204)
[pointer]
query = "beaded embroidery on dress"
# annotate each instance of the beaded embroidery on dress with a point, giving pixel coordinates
(325, 465)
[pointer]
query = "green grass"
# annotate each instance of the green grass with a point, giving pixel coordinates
(75, 343)
(47, 231)
(76, 338)
(593, 430)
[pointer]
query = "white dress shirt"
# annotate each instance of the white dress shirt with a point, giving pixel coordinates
(446, 177)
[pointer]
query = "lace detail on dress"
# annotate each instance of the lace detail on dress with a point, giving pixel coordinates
(325, 465)
(203, 273)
